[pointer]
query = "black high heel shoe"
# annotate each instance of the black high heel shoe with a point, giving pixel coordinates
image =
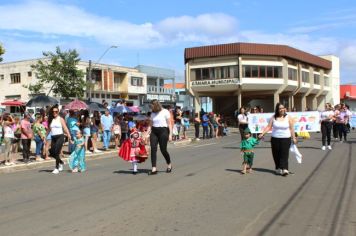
(152, 172)
(169, 170)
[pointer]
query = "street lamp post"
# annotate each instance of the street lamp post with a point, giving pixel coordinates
(91, 69)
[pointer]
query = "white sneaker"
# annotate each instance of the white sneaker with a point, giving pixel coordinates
(323, 148)
(329, 147)
(97, 151)
(75, 170)
(55, 171)
(278, 172)
(285, 172)
(60, 168)
(198, 139)
(88, 152)
(7, 164)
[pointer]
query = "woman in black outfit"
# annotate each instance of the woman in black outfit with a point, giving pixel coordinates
(56, 126)
(160, 134)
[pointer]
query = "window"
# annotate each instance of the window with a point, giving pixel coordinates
(2, 77)
(205, 73)
(262, 72)
(198, 75)
(15, 78)
(211, 73)
(136, 81)
(326, 81)
(254, 71)
(246, 71)
(305, 77)
(316, 79)
(29, 74)
(102, 95)
(277, 72)
(269, 71)
(108, 96)
(292, 74)
(133, 97)
(234, 71)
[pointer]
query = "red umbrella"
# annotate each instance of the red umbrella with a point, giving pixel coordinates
(13, 103)
(76, 105)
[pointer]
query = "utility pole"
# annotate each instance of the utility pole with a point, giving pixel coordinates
(90, 69)
(90, 80)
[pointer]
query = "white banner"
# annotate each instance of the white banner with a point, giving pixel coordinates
(303, 121)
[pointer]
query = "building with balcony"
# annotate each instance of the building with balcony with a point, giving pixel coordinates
(248, 74)
(156, 80)
(109, 82)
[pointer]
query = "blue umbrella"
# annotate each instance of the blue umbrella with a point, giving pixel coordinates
(120, 110)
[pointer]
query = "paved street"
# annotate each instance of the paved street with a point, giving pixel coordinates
(204, 195)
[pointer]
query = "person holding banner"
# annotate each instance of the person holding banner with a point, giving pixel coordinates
(326, 117)
(282, 127)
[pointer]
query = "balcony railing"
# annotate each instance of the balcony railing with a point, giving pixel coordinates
(156, 89)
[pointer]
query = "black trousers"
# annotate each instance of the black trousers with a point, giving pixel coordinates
(342, 130)
(335, 130)
(26, 146)
(159, 135)
(326, 127)
(197, 127)
(57, 142)
(280, 152)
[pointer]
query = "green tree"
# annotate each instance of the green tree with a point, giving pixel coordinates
(59, 71)
(2, 51)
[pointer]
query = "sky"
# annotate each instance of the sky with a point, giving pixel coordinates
(156, 32)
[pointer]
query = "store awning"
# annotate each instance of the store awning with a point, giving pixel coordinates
(13, 103)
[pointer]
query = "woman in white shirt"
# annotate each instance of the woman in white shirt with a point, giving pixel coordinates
(327, 118)
(160, 134)
(56, 126)
(282, 130)
(9, 136)
(243, 121)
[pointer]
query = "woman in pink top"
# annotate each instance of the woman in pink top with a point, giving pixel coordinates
(26, 136)
(342, 119)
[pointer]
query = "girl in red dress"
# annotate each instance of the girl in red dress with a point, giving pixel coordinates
(133, 150)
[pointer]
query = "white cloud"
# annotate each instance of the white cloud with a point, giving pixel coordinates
(217, 24)
(48, 18)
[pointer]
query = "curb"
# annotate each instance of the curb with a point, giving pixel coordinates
(182, 142)
(50, 163)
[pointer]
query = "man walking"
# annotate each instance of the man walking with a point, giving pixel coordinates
(107, 123)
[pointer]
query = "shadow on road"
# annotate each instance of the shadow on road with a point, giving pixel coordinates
(140, 171)
(264, 170)
(47, 171)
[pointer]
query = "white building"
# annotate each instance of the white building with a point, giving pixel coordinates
(110, 82)
(248, 74)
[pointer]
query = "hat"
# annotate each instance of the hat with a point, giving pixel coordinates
(247, 131)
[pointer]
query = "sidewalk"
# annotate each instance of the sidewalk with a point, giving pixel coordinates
(93, 156)
(112, 152)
